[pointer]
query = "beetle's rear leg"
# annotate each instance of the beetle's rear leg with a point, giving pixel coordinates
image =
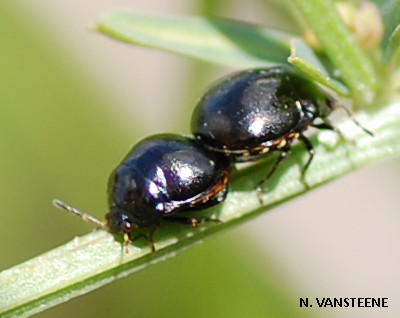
(283, 154)
(311, 152)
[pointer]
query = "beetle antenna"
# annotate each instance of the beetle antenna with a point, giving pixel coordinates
(86, 217)
(350, 114)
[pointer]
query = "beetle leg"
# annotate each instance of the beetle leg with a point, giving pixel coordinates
(325, 125)
(125, 245)
(311, 152)
(328, 126)
(128, 240)
(283, 154)
(151, 238)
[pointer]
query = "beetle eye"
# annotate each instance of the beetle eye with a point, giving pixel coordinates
(126, 227)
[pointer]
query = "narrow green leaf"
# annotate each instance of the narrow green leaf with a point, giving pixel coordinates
(390, 13)
(303, 57)
(219, 41)
(393, 50)
(342, 49)
(91, 261)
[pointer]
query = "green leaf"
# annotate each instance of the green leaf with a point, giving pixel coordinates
(219, 41)
(390, 12)
(303, 57)
(392, 53)
(338, 43)
(91, 261)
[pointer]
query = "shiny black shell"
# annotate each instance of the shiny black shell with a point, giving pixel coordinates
(161, 175)
(255, 111)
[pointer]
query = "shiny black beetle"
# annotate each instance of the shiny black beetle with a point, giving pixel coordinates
(160, 176)
(252, 113)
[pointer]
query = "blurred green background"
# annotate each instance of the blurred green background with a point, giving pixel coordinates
(72, 104)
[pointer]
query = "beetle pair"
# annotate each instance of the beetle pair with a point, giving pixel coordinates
(241, 118)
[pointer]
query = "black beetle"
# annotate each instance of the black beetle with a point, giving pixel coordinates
(161, 175)
(252, 113)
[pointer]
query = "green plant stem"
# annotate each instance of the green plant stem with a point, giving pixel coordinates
(93, 260)
(354, 65)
